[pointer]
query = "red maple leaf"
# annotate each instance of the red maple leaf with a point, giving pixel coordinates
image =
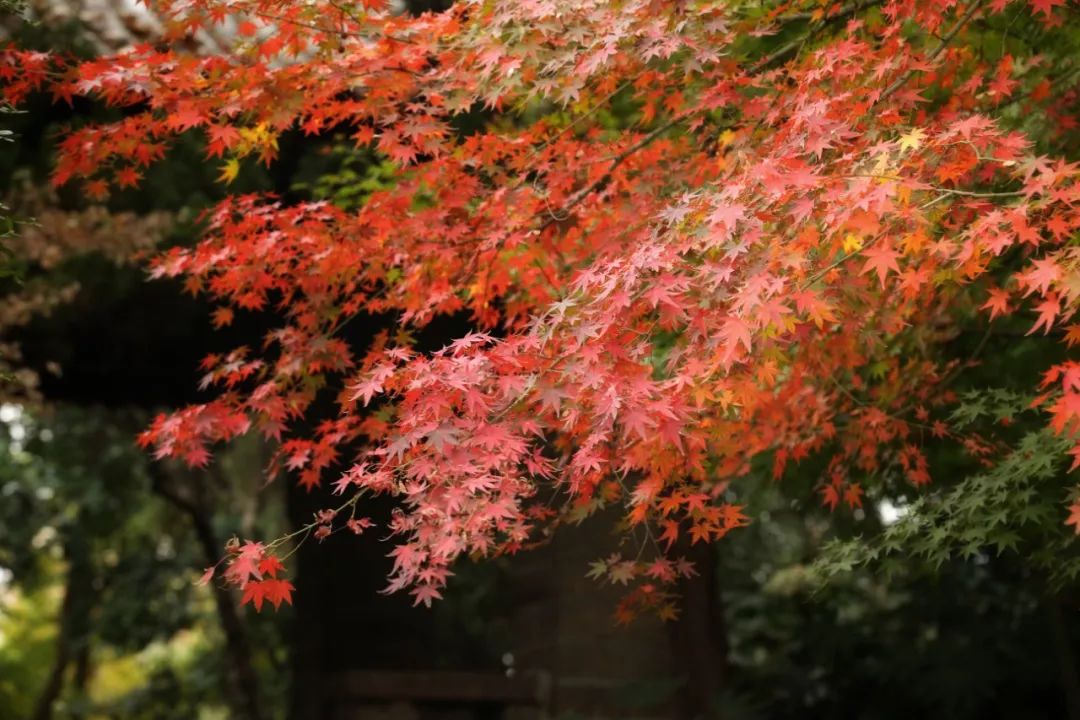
(881, 259)
(998, 303)
(853, 495)
(1074, 516)
(273, 591)
(830, 497)
(1046, 7)
(1048, 310)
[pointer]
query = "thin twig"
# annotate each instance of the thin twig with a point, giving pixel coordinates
(617, 160)
(900, 81)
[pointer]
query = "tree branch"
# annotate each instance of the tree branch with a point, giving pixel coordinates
(900, 81)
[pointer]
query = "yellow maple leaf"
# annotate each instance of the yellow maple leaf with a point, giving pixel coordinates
(903, 195)
(913, 140)
(229, 170)
(852, 243)
(882, 166)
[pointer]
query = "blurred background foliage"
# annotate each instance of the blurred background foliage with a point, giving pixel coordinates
(954, 602)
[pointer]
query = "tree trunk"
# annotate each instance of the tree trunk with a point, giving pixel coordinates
(1070, 683)
(44, 706)
(73, 624)
(237, 647)
(82, 668)
(699, 635)
(308, 648)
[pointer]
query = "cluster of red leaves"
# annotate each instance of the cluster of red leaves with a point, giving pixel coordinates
(732, 275)
(254, 568)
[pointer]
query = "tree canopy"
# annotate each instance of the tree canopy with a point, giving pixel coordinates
(693, 242)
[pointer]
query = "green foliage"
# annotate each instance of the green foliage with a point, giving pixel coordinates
(12, 7)
(1014, 505)
(27, 645)
(8, 222)
(868, 644)
(348, 176)
(77, 495)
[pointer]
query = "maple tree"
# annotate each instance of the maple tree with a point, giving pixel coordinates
(764, 261)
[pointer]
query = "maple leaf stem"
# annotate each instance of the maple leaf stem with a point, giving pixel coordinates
(979, 156)
(599, 105)
(360, 21)
(615, 162)
(330, 31)
(897, 415)
(959, 368)
(939, 189)
(843, 12)
(552, 285)
(945, 40)
(978, 194)
(617, 159)
(346, 11)
(309, 26)
(934, 201)
(835, 264)
(351, 502)
(649, 536)
(795, 45)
